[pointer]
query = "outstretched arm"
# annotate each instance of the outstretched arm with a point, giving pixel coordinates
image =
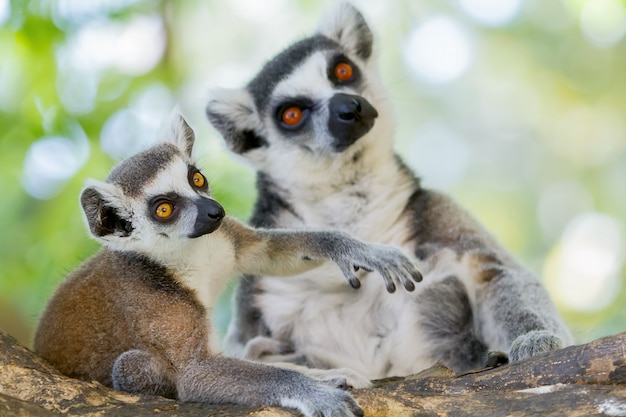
(289, 252)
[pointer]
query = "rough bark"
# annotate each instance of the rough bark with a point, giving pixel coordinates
(583, 380)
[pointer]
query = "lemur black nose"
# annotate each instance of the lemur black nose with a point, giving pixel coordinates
(214, 210)
(350, 117)
(350, 110)
(209, 218)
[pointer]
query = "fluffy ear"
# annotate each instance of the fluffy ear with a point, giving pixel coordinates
(177, 131)
(346, 25)
(233, 113)
(104, 211)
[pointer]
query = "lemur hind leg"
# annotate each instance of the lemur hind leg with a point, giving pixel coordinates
(449, 321)
(517, 316)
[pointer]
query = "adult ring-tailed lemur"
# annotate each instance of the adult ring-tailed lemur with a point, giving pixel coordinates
(316, 124)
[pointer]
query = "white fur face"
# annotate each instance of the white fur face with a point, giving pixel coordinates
(305, 77)
(156, 200)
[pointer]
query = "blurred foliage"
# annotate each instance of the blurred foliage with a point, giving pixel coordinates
(529, 137)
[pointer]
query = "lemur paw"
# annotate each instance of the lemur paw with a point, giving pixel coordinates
(390, 262)
(325, 401)
(534, 343)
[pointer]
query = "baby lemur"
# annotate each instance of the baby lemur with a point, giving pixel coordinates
(316, 123)
(137, 315)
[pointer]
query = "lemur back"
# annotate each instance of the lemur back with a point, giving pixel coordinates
(317, 125)
(109, 314)
(137, 315)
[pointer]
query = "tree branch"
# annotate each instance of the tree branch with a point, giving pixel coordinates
(583, 380)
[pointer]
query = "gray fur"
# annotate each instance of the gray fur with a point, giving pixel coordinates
(449, 320)
(475, 297)
(250, 323)
(271, 202)
(262, 85)
(139, 372)
(240, 141)
(141, 169)
(534, 343)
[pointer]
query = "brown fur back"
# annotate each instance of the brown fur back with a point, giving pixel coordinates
(115, 302)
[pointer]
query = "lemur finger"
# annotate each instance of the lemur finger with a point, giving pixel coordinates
(389, 284)
(398, 270)
(354, 282)
(346, 269)
(402, 275)
(412, 269)
(408, 285)
(409, 268)
(358, 411)
(416, 275)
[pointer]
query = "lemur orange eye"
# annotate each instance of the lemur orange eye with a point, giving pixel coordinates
(198, 180)
(164, 210)
(343, 71)
(292, 116)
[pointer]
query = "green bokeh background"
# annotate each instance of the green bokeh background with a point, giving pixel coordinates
(531, 136)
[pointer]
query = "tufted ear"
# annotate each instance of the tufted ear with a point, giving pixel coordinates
(178, 132)
(233, 113)
(104, 211)
(346, 25)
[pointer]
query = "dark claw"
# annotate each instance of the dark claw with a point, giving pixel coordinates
(355, 283)
(342, 384)
(409, 285)
(356, 268)
(417, 276)
(391, 287)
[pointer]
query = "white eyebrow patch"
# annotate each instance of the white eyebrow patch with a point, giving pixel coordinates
(308, 79)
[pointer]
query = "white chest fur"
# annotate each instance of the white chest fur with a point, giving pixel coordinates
(358, 329)
(368, 330)
(204, 265)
